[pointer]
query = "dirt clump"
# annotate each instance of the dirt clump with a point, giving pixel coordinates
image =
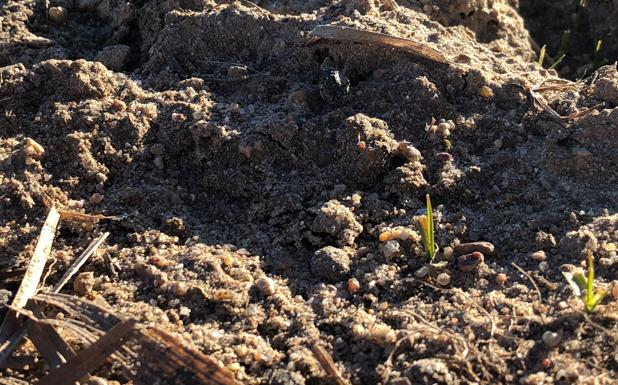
(246, 212)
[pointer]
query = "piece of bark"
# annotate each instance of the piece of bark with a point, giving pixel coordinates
(93, 356)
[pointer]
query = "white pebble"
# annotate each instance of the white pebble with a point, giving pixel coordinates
(266, 286)
(390, 248)
(543, 266)
(443, 279)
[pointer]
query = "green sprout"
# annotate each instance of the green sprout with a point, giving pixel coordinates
(584, 287)
(425, 224)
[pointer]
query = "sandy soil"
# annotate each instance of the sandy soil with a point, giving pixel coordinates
(252, 203)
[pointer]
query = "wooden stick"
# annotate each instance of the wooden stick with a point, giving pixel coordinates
(79, 262)
(327, 363)
(31, 279)
(91, 357)
(334, 32)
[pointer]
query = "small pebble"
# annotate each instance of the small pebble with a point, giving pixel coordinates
(486, 92)
(84, 283)
(551, 339)
(466, 248)
(409, 152)
(443, 129)
(443, 279)
(382, 334)
(57, 14)
(470, 262)
(422, 272)
(353, 285)
(33, 149)
(543, 266)
(96, 198)
(447, 252)
(538, 256)
(501, 279)
(145, 270)
(266, 286)
(178, 289)
(158, 162)
(444, 157)
(93, 380)
(563, 305)
(390, 248)
(178, 117)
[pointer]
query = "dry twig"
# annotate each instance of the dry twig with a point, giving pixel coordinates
(334, 32)
(79, 262)
(536, 287)
(327, 363)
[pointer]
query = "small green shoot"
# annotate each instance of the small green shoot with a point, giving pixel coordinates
(598, 60)
(584, 287)
(425, 224)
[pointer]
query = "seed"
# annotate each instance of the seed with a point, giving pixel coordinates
(546, 363)
(501, 278)
(551, 339)
(386, 235)
(362, 146)
(484, 247)
(443, 279)
(538, 256)
(353, 285)
(470, 262)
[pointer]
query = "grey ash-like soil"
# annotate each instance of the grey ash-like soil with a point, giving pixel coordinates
(250, 202)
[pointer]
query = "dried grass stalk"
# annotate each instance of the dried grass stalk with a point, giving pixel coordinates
(333, 32)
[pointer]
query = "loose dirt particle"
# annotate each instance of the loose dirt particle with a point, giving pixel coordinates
(84, 283)
(443, 279)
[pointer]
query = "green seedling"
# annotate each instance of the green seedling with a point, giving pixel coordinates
(598, 60)
(584, 287)
(425, 225)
